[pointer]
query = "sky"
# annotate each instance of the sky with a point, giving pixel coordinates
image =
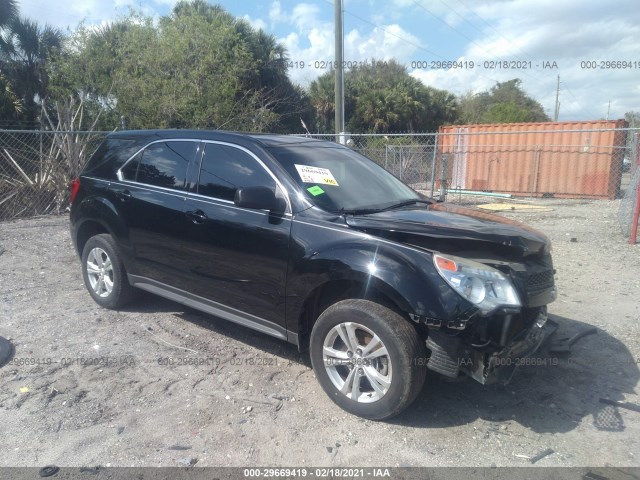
(594, 46)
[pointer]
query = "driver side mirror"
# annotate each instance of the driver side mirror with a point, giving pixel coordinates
(259, 198)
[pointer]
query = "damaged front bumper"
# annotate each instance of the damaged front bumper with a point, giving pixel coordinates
(489, 363)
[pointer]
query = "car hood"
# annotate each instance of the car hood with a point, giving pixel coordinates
(444, 221)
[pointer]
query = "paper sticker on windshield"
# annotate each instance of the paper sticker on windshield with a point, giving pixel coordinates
(316, 175)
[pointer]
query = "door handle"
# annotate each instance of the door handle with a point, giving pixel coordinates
(124, 195)
(197, 216)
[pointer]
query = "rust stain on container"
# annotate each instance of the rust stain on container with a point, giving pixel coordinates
(550, 159)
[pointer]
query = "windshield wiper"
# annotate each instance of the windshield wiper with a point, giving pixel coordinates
(367, 211)
(359, 211)
(406, 203)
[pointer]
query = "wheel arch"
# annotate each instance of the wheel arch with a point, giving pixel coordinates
(354, 286)
(87, 229)
(96, 215)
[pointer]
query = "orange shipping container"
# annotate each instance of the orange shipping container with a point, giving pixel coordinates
(561, 159)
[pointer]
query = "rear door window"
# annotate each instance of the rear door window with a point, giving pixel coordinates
(224, 169)
(165, 164)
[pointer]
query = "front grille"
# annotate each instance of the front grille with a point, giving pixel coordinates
(538, 282)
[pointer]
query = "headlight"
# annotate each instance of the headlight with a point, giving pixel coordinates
(485, 287)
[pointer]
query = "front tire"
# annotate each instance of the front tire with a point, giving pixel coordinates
(367, 358)
(104, 274)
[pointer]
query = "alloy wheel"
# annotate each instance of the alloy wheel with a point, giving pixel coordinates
(357, 362)
(100, 272)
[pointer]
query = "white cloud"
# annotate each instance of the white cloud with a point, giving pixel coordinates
(383, 42)
(307, 49)
(305, 16)
(567, 33)
(275, 13)
(256, 23)
(313, 42)
(92, 12)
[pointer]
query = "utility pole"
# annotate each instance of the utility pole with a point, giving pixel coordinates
(608, 109)
(339, 72)
(555, 116)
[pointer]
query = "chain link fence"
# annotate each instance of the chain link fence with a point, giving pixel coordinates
(586, 163)
(631, 186)
(410, 157)
(472, 166)
(36, 168)
(457, 165)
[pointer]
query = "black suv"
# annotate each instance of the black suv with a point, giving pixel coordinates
(313, 243)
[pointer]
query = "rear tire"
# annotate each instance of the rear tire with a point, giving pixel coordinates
(104, 274)
(367, 358)
(6, 351)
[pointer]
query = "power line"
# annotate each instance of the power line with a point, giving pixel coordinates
(489, 51)
(427, 50)
(456, 12)
(495, 30)
(409, 42)
(524, 72)
(512, 45)
(579, 103)
(388, 32)
(420, 47)
(416, 2)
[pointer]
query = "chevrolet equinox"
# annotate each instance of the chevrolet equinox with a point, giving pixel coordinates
(315, 244)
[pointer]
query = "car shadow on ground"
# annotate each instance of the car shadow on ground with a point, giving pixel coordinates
(149, 303)
(553, 396)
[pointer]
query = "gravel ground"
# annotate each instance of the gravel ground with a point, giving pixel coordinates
(89, 386)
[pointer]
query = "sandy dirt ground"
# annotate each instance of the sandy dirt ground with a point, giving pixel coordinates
(160, 385)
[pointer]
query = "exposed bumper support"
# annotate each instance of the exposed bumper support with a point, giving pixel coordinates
(450, 356)
(487, 367)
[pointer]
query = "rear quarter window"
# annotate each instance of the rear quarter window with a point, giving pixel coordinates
(109, 157)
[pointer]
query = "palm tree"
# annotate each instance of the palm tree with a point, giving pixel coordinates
(270, 56)
(26, 49)
(8, 11)
(9, 102)
(200, 8)
(378, 110)
(322, 95)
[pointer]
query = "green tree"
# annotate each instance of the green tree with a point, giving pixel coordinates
(382, 97)
(8, 12)
(377, 109)
(9, 102)
(472, 108)
(322, 95)
(633, 119)
(26, 49)
(506, 112)
(505, 102)
(198, 67)
(633, 136)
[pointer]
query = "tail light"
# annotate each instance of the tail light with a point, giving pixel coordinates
(74, 186)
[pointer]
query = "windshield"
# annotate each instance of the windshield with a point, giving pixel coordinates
(340, 180)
